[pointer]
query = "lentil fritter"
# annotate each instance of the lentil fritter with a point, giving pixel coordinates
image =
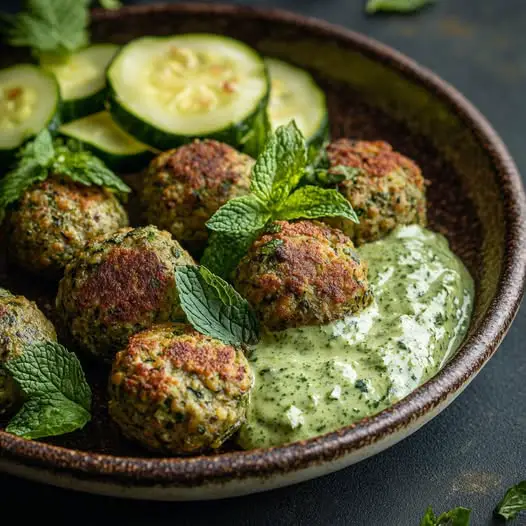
(54, 219)
(177, 391)
(119, 285)
(387, 190)
(183, 188)
(302, 273)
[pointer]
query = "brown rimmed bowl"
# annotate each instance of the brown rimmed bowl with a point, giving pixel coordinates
(475, 198)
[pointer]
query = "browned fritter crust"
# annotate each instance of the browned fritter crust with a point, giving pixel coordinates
(388, 191)
(302, 273)
(54, 219)
(184, 187)
(119, 285)
(21, 323)
(177, 391)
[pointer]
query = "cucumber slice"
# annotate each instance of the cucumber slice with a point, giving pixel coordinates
(29, 102)
(82, 79)
(166, 91)
(104, 138)
(295, 95)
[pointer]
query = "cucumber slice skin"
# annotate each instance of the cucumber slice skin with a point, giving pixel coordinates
(149, 134)
(160, 139)
(8, 155)
(127, 162)
(95, 100)
(119, 163)
(77, 108)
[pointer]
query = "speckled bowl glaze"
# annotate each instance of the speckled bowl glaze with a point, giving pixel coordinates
(476, 199)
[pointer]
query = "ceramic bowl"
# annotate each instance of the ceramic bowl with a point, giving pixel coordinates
(476, 200)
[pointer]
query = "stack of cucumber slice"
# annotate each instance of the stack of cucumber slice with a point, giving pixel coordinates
(157, 93)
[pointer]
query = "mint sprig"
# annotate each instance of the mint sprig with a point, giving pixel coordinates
(280, 166)
(397, 6)
(214, 308)
(455, 517)
(274, 195)
(48, 26)
(81, 166)
(58, 396)
(513, 502)
(40, 158)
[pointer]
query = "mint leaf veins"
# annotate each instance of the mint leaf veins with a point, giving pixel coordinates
(58, 396)
(214, 308)
(513, 502)
(455, 517)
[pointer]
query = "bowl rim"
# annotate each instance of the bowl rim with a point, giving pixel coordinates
(474, 353)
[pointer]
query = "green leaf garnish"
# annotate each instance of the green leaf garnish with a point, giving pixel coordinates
(455, 517)
(313, 201)
(58, 396)
(83, 167)
(239, 215)
(214, 308)
(513, 502)
(254, 141)
(397, 6)
(224, 251)
(39, 159)
(276, 173)
(110, 4)
(280, 166)
(49, 26)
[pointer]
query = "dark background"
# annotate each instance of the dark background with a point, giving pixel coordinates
(474, 450)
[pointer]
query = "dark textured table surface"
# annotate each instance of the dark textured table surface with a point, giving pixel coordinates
(475, 449)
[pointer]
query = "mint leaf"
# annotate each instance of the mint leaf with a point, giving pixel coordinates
(44, 369)
(513, 502)
(49, 26)
(59, 398)
(31, 167)
(455, 517)
(40, 158)
(280, 166)
(312, 201)
(48, 416)
(41, 148)
(224, 251)
(242, 214)
(81, 166)
(214, 308)
(254, 141)
(398, 6)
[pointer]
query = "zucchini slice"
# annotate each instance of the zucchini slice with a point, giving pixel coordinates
(82, 79)
(295, 95)
(166, 91)
(29, 102)
(104, 138)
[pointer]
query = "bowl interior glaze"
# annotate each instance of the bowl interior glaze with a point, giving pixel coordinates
(475, 199)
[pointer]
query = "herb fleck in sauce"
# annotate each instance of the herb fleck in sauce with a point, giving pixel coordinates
(317, 379)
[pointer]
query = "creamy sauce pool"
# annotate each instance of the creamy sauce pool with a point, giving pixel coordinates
(312, 380)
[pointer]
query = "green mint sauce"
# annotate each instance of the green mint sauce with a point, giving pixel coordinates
(313, 380)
